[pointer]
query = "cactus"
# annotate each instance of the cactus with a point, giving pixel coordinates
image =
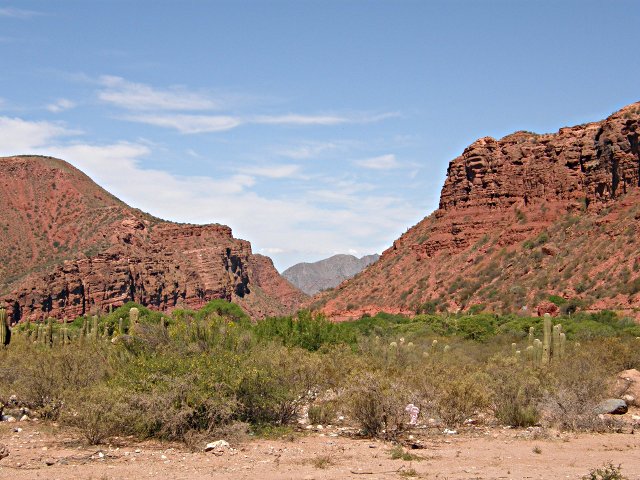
(546, 340)
(94, 327)
(537, 353)
(5, 331)
(134, 316)
(38, 332)
(530, 355)
(531, 337)
(120, 327)
(48, 339)
(555, 344)
(84, 330)
(514, 348)
(563, 344)
(446, 348)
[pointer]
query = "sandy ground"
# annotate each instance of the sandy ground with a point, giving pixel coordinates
(42, 451)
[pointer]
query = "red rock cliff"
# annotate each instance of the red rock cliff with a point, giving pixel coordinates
(70, 248)
(519, 218)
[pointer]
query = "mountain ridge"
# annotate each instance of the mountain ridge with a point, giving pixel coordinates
(519, 219)
(71, 248)
(313, 277)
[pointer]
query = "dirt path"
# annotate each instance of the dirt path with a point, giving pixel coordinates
(481, 454)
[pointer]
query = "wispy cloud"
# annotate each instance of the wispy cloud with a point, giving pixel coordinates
(273, 171)
(139, 96)
(188, 124)
(295, 119)
(382, 162)
(61, 105)
(20, 13)
(306, 150)
(170, 107)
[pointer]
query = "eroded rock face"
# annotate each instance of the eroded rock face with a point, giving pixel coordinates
(81, 250)
(520, 218)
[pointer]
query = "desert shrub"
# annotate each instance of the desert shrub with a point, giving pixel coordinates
(575, 387)
(476, 327)
(306, 331)
(606, 472)
(376, 403)
(45, 378)
(275, 383)
(459, 395)
(557, 300)
(323, 413)
(98, 413)
(515, 392)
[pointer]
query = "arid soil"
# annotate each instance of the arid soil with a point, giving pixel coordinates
(44, 451)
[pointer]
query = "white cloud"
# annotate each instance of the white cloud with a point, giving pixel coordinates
(12, 12)
(382, 162)
(19, 136)
(61, 105)
(340, 215)
(139, 96)
(189, 124)
(308, 150)
(295, 119)
(273, 171)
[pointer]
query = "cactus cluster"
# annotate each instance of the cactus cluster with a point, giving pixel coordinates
(551, 349)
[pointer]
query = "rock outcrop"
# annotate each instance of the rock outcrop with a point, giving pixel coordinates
(70, 248)
(311, 278)
(520, 218)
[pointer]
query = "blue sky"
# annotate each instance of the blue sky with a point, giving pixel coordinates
(309, 127)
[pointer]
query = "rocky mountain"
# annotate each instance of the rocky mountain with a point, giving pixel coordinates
(328, 273)
(69, 247)
(520, 219)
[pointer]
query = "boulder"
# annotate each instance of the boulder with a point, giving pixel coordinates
(627, 386)
(217, 447)
(548, 308)
(614, 406)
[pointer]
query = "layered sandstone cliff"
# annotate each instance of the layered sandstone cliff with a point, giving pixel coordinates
(520, 218)
(70, 248)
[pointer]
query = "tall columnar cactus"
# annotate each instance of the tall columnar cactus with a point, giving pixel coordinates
(563, 344)
(546, 340)
(84, 330)
(94, 327)
(530, 355)
(531, 337)
(537, 353)
(5, 331)
(134, 316)
(49, 333)
(514, 348)
(120, 326)
(555, 345)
